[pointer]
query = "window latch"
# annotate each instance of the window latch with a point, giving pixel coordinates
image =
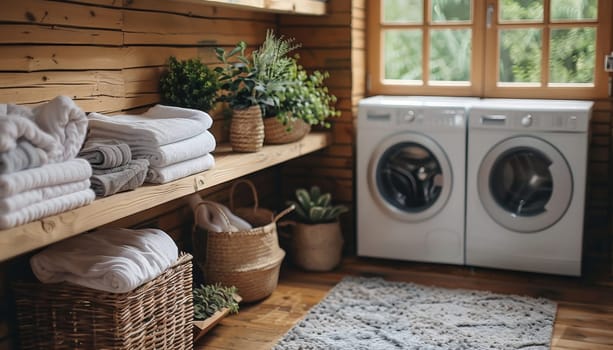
(489, 15)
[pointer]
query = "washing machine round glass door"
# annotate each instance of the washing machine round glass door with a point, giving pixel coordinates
(525, 184)
(410, 177)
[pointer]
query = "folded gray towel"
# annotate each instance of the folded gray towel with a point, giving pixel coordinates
(24, 156)
(106, 182)
(105, 154)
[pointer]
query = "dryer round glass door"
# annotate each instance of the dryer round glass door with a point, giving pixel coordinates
(410, 177)
(525, 184)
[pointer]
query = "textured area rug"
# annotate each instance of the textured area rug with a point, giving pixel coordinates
(371, 313)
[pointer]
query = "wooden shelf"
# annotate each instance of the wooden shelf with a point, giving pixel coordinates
(304, 7)
(229, 166)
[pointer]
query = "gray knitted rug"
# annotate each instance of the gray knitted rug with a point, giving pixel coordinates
(371, 313)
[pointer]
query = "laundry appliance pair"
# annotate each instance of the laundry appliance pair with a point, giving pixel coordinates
(493, 183)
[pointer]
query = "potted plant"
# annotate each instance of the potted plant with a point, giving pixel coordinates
(189, 83)
(252, 86)
(306, 102)
(212, 303)
(317, 239)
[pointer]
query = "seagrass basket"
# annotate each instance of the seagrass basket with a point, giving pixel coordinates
(277, 133)
(249, 260)
(247, 130)
(156, 315)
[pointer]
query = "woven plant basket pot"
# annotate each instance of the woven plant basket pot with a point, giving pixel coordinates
(255, 215)
(249, 260)
(317, 247)
(276, 133)
(156, 315)
(247, 130)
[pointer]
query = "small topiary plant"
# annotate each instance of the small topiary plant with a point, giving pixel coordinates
(212, 298)
(313, 207)
(189, 84)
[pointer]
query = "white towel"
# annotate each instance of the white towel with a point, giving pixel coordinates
(61, 119)
(46, 208)
(111, 260)
(159, 126)
(179, 170)
(65, 121)
(17, 127)
(73, 170)
(208, 217)
(26, 198)
(176, 152)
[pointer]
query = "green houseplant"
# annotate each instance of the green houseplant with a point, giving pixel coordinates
(253, 83)
(189, 83)
(317, 238)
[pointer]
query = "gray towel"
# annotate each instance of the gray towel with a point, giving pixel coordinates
(105, 154)
(106, 182)
(24, 156)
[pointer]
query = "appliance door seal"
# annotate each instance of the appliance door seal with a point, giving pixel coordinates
(525, 184)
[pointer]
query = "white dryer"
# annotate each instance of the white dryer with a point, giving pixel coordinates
(410, 178)
(526, 179)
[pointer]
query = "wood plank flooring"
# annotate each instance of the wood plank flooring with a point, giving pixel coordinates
(584, 319)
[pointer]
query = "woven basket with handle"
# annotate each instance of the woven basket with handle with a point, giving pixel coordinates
(247, 130)
(277, 133)
(249, 260)
(255, 215)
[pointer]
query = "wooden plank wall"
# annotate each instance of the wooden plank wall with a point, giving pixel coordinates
(107, 55)
(333, 43)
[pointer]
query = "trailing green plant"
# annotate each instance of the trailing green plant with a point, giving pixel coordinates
(212, 298)
(189, 83)
(314, 207)
(307, 98)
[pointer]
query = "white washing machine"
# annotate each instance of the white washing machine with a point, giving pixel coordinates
(526, 179)
(410, 178)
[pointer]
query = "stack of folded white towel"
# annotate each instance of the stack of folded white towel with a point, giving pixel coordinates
(39, 174)
(113, 168)
(111, 260)
(174, 140)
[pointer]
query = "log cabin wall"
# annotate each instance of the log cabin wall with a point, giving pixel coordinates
(333, 43)
(107, 55)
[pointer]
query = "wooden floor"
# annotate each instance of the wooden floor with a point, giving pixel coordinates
(584, 319)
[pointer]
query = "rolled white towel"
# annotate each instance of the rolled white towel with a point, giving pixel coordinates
(111, 260)
(208, 217)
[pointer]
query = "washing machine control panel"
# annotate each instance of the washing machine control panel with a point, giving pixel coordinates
(560, 121)
(431, 118)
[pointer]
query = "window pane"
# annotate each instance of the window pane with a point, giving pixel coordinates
(574, 9)
(521, 10)
(403, 54)
(450, 54)
(450, 11)
(403, 11)
(572, 55)
(520, 56)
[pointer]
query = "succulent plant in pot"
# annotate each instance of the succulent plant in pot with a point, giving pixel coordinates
(317, 239)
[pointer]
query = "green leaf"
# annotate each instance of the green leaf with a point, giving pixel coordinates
(304, 199)
(323, 200)
(316, 214)
(315, 193)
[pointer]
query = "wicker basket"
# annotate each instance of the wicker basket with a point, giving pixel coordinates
(276, 133)
(156, 315)
(249, 260)
(247, 130)
(255, 215)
